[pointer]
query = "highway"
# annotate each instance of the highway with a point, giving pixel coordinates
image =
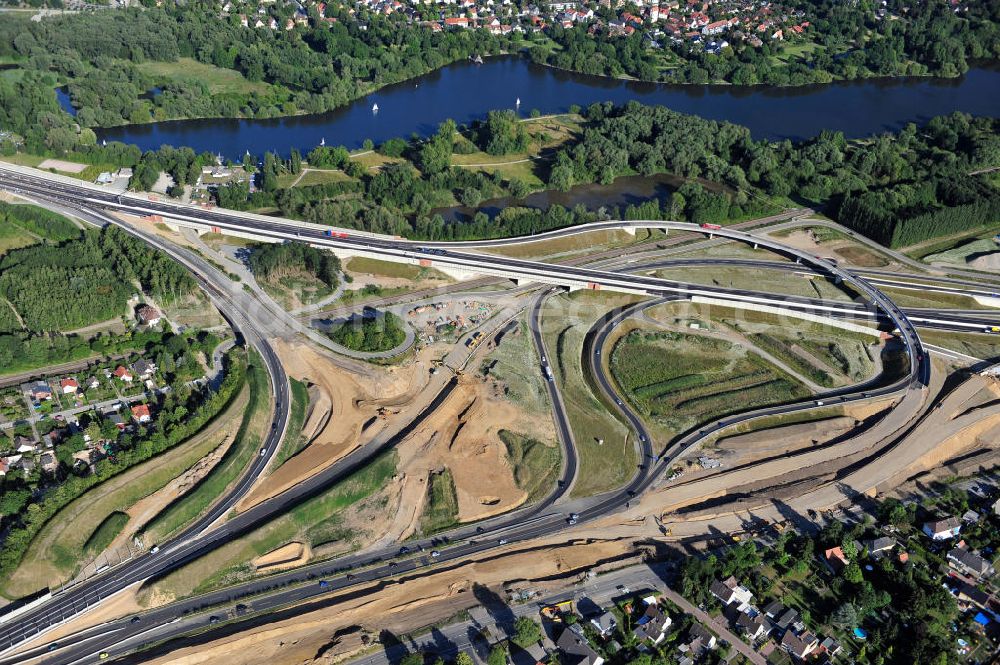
(522, 525)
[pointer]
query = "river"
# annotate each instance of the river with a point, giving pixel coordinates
(465, 92)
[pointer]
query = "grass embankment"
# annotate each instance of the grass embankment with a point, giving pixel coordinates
(931, 299)
(378, 268)
(24, 225)
(536, 465)
(54, 555)
(238, 456)
(295, 290)
(514, 364)
(294, 441)
(441, 509)
(679, 380)
(218, 79)
(771, 281)
(983, 346)
(607, 455)
(109, 529)
(315, 522)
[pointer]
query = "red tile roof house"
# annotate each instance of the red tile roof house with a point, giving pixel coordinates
(835, 557)
(69, 386)
(141, 413)
(123, 374)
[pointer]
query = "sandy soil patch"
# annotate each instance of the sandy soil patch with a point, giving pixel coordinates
(399, 607)
(287, 556)
(463, 436)
(781, 440)
(347, 407)
(989, 262)
(60, 165)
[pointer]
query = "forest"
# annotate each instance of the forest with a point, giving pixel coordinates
(897, 188)
(270, 261)
(851, 43)
(61, 287)
(371, 332)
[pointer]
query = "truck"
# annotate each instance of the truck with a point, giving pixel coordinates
(713, 227)
(474, 341)
(548, 372)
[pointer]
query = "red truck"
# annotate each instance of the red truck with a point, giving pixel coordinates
(714, 227)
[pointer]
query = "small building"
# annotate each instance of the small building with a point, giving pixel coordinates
(878, 546)
(799, 646)
(699, 641)
(576, 650)
(143, 368)
(945, 529)
(92, 383)
(969, 563)
(604, 623)
(830, 646)
(653, 624)
(123, 374)
(69, 386)
(40, 390)
(148, 315)
(836, 558)
(753, 626)
(970, 517)
(996, 507)
(782, 617)
(728, 591)
(141, 413)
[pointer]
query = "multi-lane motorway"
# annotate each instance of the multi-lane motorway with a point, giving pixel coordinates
(539, 520)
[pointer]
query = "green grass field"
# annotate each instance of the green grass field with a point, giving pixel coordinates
(293, 441)
(606, 448)
(514, 363)
(536, 465)
(379, 268)
(441, 509)
(109, 529)
(679, 380)
(14, 237)
(217, 79)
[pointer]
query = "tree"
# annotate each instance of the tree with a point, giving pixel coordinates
(527, 632)
(852, 573)
(415, 658)
(463, 659)
(498, 655)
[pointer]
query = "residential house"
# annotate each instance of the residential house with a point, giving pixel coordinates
(996, 507)
(575, 648)
(782, 617)
(836, 559)
(141, 413)
(123, 374)
(143, 368)
(49, 463)
(92, 383)
(69, 386)
(604, 623)
(753, 626)
(970, 517)
(150, 315)
(27, 464)
(943, 529)
(969, 563)
(966, 593)
(878, 546)
(800, 645)
(24, 446)
(729, 591)
(117, 421)
(52, 438)
(699, 640)
(653, 624)
(40, 390)
(830, 647)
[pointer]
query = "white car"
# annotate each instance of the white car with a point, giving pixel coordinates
(263, 451)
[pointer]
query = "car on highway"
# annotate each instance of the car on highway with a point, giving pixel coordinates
(392, 564)
(135, 620)
(323, 584)
(263, 451)
(214, 619)
(104, 655)
(435, 554)
(154, 549)
(502, 541)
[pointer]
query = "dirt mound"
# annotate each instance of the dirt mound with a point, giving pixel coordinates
(287, 556)
(780, 439)
(988, 262)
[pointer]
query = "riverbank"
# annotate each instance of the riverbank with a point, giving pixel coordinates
(465, 92)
